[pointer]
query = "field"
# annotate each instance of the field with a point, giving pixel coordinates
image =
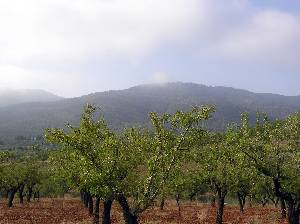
(71, 211)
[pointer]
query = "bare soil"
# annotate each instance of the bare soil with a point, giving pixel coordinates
(71, 211)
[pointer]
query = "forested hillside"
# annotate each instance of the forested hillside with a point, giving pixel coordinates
(11, 97)
(130, 107)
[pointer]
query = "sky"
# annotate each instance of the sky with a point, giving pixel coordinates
(75, 47)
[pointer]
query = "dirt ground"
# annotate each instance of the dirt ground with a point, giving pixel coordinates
(71, 211)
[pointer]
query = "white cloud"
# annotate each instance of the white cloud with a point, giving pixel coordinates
(76, 28)
(160, 78)
(57, 31)
(61, 83)
(12, 76)
(269, 35)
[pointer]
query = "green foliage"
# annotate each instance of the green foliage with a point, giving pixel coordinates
(176, 156)
(89, 156)
(135, 163)
(24, 172)
(274, 149)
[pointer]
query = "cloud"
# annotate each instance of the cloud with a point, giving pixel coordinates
(160, 78)
(269, 35)
(68, 40)
(65, 84)
(74, 29)
(12, 76)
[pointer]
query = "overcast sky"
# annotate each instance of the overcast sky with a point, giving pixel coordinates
(74, 47)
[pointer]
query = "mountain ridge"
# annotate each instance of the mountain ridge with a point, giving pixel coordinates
(10, 97)
(131, 106)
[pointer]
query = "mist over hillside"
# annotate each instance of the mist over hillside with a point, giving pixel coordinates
(11, 96)
(131, 107)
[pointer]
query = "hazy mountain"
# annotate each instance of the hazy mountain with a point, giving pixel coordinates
(11, 97)
(131, 107)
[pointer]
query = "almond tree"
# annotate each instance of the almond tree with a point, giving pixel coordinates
(273, 148)
(133, 165)
(90, 159)
(14, 179)
(154, 156)
(223, 168)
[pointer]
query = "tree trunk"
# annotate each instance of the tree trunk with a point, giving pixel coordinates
(276, 201)
(264, 202)
(91, 205)
(162, 203)
(6, 194)
(213, 202)
(86, 199)
(82, 196)
(242, 201)
(29, 195)
(283, 208)
(193, 195)
(293, 212)
(97, 211)
(11, 196)
(250, 202)
(106, 211)
(38, 195)
(293, 206)
(221, 194)
(21, 196)
(178, 203)
(128, 216)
